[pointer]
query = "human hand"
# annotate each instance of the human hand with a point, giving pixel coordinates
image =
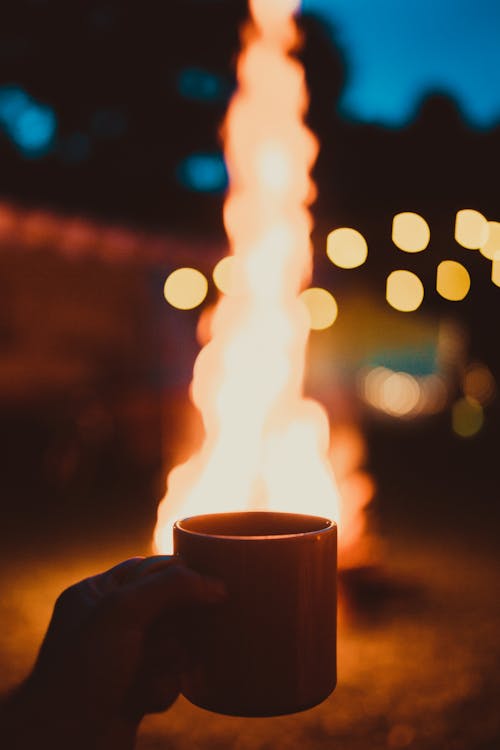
(113, 652)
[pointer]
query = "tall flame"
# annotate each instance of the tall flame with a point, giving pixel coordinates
(265, 444)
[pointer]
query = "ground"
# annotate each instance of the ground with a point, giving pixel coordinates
(418, 658)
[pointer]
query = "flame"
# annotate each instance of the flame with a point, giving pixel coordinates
(265, 445)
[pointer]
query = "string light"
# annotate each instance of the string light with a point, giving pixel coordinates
(479, 383)
(495, 268)
(322, 307)
(410, 232)
(224, 275)
(452, 280)
(492, 244)
(185, 288)
(346, 247)
(404, 291)
(471, 228)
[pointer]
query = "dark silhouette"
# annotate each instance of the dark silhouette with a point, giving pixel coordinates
(114, 651)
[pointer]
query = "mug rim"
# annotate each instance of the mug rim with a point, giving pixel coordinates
(328, 525)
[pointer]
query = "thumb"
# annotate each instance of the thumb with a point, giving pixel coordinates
(169, 588)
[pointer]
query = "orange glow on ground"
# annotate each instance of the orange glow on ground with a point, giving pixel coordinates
(265, 445)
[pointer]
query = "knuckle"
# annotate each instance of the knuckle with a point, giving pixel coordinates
(68, 598)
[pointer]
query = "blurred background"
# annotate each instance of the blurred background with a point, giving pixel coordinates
(112, 177)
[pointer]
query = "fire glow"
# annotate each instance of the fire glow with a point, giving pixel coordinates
(265, 445)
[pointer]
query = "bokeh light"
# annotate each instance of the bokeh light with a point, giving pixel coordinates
(404, 291)
(346, 247)
(452, 280)
(199, 84)
(410, 232)
(495, 268)
(467, 417)
(13, 100)
(322, 307)
(479, 383)
(34, 129)
(435, 394)
(492, 244)
(400, 394)
(372, 384)
(396, 393)
(225, 275)
(203, 173)
(471, 228)
(185, 288)
(30, 125)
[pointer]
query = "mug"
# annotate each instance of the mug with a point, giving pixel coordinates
(270, 649)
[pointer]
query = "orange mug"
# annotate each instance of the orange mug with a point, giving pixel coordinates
(270, 649)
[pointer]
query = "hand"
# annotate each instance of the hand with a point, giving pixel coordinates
(112, 653)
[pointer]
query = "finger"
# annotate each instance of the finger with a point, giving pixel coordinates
(162, 692)
(127, 571)
(121, 572)
(150, 565)
(153, 694)
(167, 589)
(107, 581)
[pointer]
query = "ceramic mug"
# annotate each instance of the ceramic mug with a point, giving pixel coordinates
(270, 649)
